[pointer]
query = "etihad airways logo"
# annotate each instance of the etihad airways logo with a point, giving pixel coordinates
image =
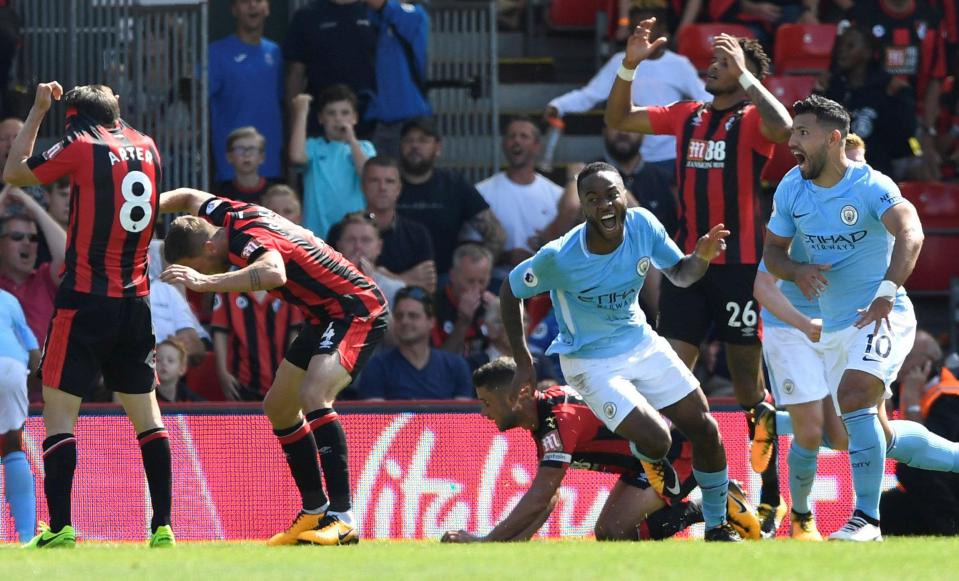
(846, 241)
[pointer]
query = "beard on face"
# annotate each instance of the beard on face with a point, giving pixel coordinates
(621, 150)
(416, 168)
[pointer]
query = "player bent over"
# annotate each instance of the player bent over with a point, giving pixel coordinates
(346, 318)
(625, 372)
(566, 432)
(101, 322)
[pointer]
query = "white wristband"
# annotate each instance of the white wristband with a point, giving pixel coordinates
(626, 74)
(887, 290)
(747, 80)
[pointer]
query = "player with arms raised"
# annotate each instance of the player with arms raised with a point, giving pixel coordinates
(345, 317)
(101, 322)
(625, 372)
(721, 148)
(862, 238)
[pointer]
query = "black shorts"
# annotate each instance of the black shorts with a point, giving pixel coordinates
(723, 297)
(92, 334)
(354, 340)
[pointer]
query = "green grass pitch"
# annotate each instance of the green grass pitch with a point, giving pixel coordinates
(900, 559)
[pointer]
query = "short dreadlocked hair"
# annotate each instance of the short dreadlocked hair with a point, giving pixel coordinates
(756, 55)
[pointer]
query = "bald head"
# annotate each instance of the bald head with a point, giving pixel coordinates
(927, 345)
(8, 132)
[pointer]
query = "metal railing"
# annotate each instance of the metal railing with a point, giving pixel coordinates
(153, 55)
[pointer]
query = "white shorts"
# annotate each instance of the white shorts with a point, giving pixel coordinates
(880, 355)
(612, 387)
(796, 366)
(13, 394)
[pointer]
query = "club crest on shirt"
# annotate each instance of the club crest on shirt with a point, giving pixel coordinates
(642, 267)
(276, 305)
(789, 386)
(448, 327)
(250, 248)
(242, 302)
(529, 278)
(609, 410)
(849, 215)
(53, 151)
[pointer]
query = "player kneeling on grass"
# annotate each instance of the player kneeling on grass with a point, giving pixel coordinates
(567, 433)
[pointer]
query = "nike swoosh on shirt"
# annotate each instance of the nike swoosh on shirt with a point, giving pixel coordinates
(867, 358)
(795, 215)
(240, 58)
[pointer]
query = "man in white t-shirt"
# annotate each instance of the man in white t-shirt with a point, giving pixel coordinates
(522, 200)
(663, 78)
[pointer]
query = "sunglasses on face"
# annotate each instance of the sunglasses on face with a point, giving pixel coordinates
(18, 236)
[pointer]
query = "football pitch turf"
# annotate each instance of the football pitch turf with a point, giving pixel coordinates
(919, 558)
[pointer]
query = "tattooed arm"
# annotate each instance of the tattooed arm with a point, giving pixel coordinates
(488, 226)
(266, 272)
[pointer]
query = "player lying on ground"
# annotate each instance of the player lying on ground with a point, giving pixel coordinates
(568, 434)
(101, 322)
(345, 316)
(625, 372)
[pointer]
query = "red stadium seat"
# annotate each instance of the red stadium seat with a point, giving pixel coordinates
(936, 266)
(790, 89)
(203, 381)
(937, 204)
(575, 14)
(803, 48)
(696, 41)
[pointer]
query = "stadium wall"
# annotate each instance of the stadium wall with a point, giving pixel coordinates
(415, 474)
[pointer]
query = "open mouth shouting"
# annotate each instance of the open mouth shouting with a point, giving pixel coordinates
(608, 221)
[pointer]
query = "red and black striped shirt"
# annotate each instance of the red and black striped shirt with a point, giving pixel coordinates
(719, 160)
(323, 284)
(258, 332)
(113, 206)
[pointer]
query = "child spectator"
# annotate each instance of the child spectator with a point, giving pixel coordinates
(282, 199)
(246, 152)
(333, 162)
(171, 369)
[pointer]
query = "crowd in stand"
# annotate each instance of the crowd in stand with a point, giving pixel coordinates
(333, 130)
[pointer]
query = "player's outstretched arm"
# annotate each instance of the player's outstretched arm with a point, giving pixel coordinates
(620, 112)
(693, 266)
(769, 295)
(183, 200)
(808, 277)
(533, 508)
(265, 273)
(16, 171)
(511, 313)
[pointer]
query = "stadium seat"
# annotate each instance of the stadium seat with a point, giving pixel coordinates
(790, 89)
(803, 48)
(574, 14)
(936, 202)
(203, 380)
(696, 41)
(936, 265)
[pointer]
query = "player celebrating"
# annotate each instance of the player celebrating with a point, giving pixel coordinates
(101, 322)
(625, 371)
(721, 149)
(567, 432)
(862, 238)
(345, 316)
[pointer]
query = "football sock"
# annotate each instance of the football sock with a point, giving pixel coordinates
(331, 443)
(155, 450)
(20, 495)
(59, 464)
(867, 456)
(802, 475)
(913, 444)
(714, 486)
(300, 452)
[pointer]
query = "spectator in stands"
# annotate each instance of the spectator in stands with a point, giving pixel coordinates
(413, 369)
(331, 42)
(171, 359)
(925, 502)
(522, 200)
(663, 79)
(407, 246)
(882, 109)
(282, 199)
(462, 304)
(170, 312)
(358, 239)
(8, 131)
(912, 48)
(34, 287)
(402, 32)
(441, 199)
(246, 88)
(56, 198)
(680, 12)
(245, 152)
(251, 332)
(499, 346)
(764, 16)
(334, 162)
